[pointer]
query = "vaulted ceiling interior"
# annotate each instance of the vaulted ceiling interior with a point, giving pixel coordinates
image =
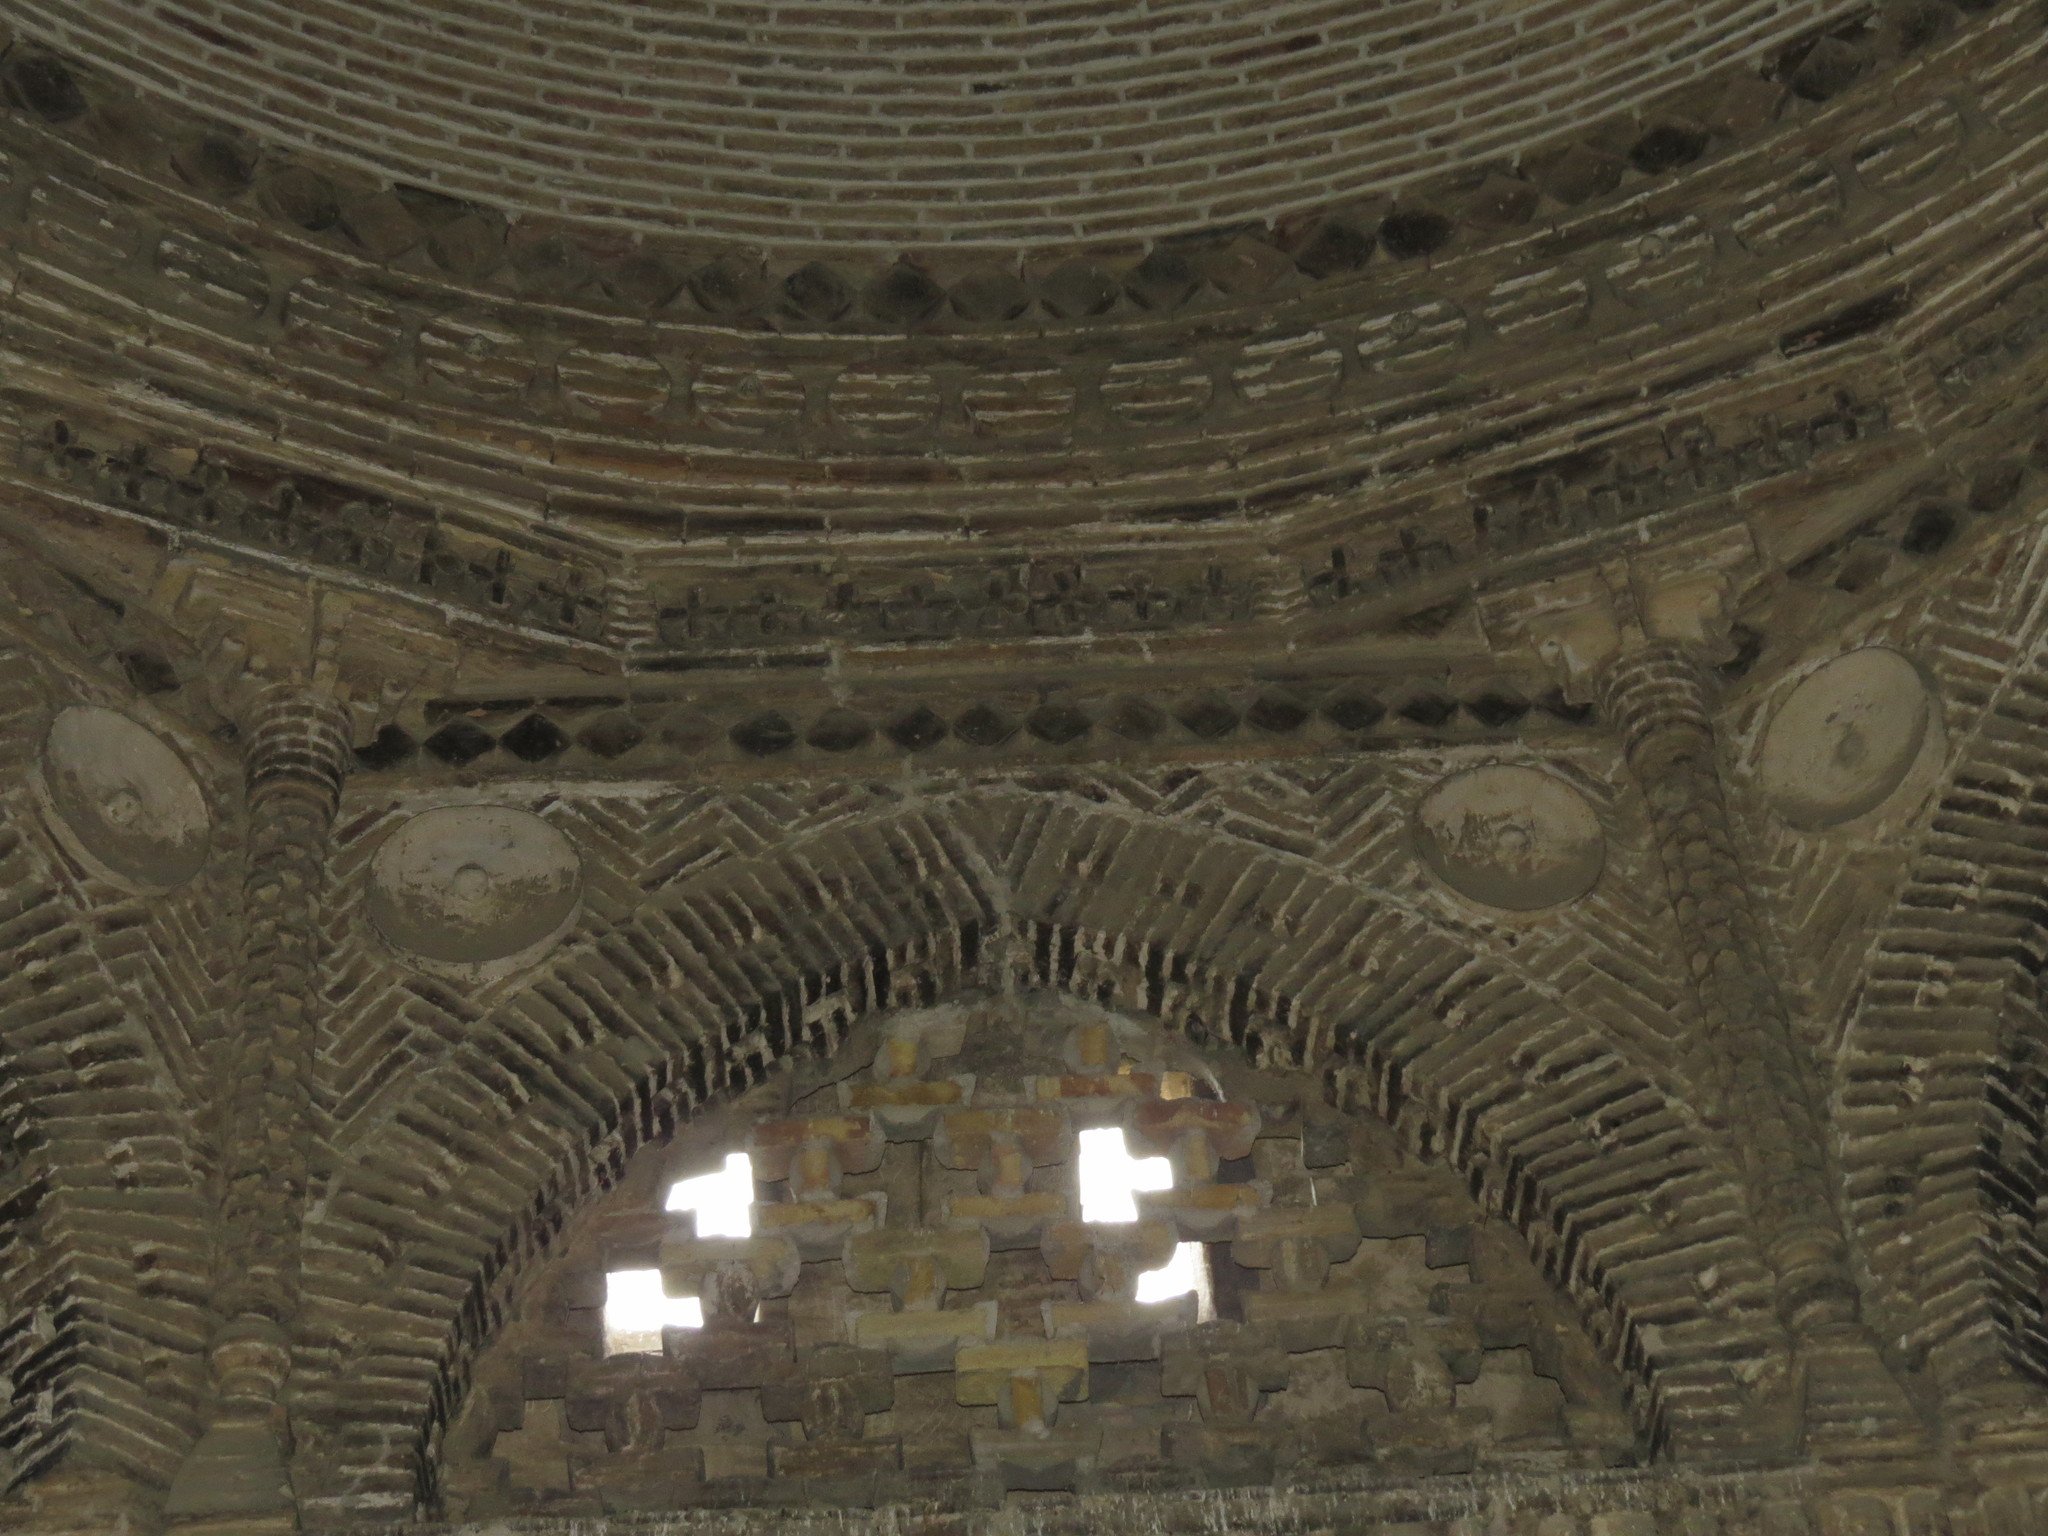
(1418, 627)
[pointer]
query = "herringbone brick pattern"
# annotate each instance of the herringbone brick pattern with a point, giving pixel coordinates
(1937, 1084)
(105, 1284)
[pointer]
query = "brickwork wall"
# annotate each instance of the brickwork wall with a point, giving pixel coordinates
(1190, 899)
(1936, 1113)
(491, 452)
(1274, 910)
(104, 1280)
(919, 123)
(1499, 1368)
(865, 635)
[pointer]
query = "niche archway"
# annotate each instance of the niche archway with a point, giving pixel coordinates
(469, 1171)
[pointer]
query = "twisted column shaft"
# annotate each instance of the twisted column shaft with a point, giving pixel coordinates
(298, 755)
(1849, 1403)
(235, 1478)
(1659, 697)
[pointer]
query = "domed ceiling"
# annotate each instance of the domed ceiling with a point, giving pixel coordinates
(1489, 552)
(910, 122)
(716, 348)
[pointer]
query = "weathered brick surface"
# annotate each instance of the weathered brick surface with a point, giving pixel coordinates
(909, 124)
(105, 1263)
(886, 909)
(1060, 565)
(1936, 1106)
(1425, 1270)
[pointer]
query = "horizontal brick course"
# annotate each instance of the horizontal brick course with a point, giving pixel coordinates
(711, 93)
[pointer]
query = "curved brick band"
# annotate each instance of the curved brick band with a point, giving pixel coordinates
(776, 122)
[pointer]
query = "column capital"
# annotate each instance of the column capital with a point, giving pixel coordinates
(1583, 624)
(297, 735)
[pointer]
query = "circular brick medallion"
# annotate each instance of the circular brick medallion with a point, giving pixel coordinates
(124, 800)
(471, 884)
(1511, 837)
(1845, 738)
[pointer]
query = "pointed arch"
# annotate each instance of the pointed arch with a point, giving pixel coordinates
(1623, 1196)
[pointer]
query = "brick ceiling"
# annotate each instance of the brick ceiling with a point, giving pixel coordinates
(911, 122)
(1473, 569)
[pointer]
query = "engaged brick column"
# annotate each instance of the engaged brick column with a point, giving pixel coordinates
(297, 757)
(1659, 697)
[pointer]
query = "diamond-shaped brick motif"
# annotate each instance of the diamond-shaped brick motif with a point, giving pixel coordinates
(918, 729)
(764, 735)
(534, 739)
(984, 725)
(391, 746)
(611, 735)
(1059, 723)
(460, 742)
(1208, 717)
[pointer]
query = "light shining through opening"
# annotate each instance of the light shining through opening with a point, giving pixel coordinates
(723, 1201)
(635, 1307)
(636, 1310)
(1110, 1176)
(1182, 1274)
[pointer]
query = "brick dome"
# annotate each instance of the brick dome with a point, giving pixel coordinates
(673, 670)
(912, 121)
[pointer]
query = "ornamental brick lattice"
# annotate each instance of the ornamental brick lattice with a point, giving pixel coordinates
(1118, 767)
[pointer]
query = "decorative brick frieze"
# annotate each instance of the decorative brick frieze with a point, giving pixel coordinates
(1704, 109)
(506, 368)
(308, 519)
(1621, 481)
(1473, 687)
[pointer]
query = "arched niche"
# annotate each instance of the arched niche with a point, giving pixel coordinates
(921, 1312)
(457, 1177)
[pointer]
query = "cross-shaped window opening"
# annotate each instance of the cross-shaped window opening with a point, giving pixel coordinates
(1110, 1178)
(723, 1201)
(636, 1308)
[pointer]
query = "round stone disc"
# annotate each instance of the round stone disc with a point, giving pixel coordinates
(1845, 738)
(467, 884)
(1511, 837)
(125, 798)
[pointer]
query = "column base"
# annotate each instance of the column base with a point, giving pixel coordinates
(1855, 1408)
(234, 1483)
